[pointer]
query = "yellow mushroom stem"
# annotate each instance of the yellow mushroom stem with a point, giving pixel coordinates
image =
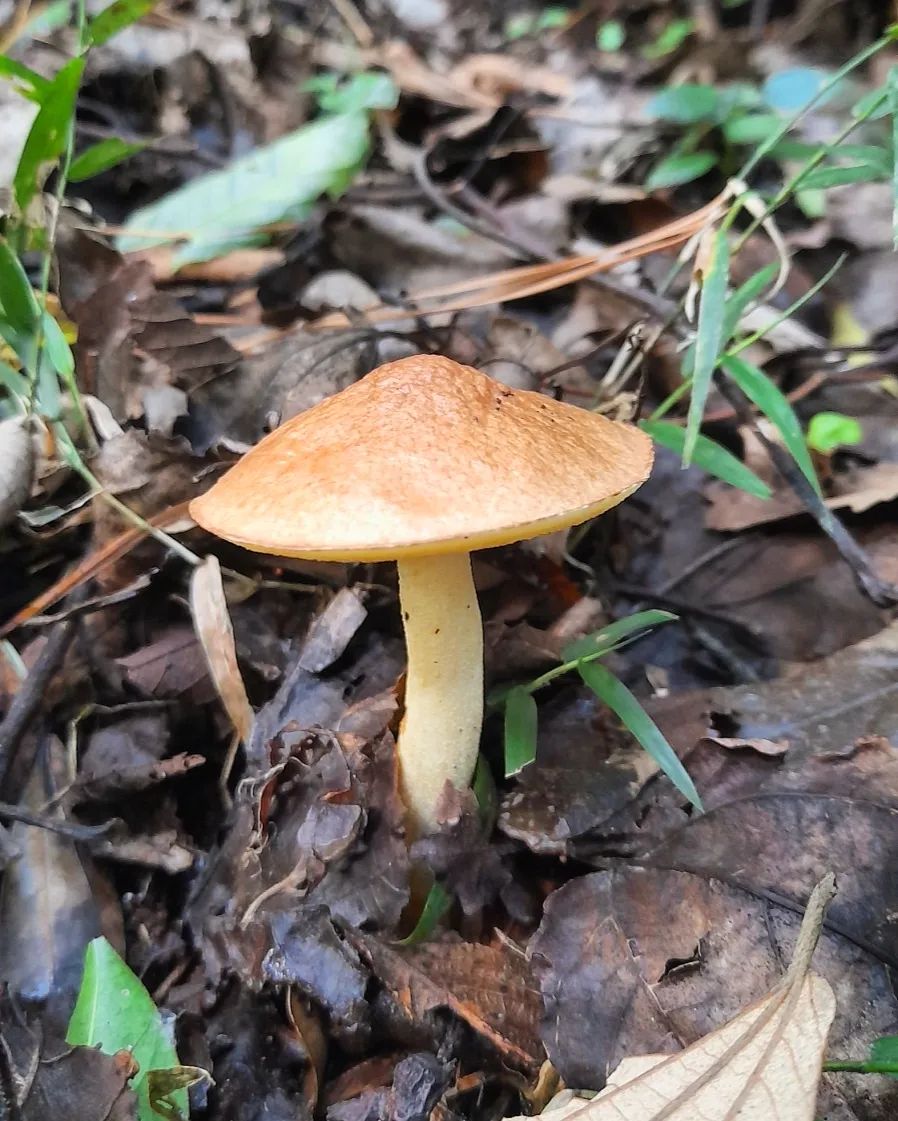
(440, 733)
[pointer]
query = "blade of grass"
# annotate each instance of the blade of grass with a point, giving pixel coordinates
(709, 455)
(709, 337)
(601, 642)
(772, 402)
(435, 906)
(627, 708)
(892, 87)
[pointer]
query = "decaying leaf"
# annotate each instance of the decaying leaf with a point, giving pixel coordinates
(213, 626)
(16, 466)
(763, 1065)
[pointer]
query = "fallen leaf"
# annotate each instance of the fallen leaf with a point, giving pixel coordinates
(489, 988)
(763, 1065)
(16, 467)
(216, 634)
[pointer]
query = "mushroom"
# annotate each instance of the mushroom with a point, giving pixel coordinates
(421, 462)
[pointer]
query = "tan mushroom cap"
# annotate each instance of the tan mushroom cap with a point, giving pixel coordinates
(423, 456)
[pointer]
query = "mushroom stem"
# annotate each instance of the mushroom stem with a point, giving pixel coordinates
(440, 733)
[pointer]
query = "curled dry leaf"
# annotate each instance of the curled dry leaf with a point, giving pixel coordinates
(763, 1065)
(216, 635)
(16, 467)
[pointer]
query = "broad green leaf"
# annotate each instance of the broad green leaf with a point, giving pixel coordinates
(115, 18)
(28, 82)
(630, 712)
(115, 1012)
(884, 1052)
(686, 104)
(709, 337)
(828, 431)
(675, 170)
(279, 181)
(372, 89)
(767, 397)
(601, 642)
(49, 131)
(521, 720)
(611, 36)
(101, 157)
(18, 304)
(822, 178)
(750, 128)
(436, 905)
(709, 456)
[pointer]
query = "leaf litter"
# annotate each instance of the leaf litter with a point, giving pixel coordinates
(221, 725)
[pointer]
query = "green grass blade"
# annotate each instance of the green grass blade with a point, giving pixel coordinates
(892, 90)
(102, 156)
(767, 397)
(708, 455)
(627, 708)
(49, 131)
(521, 721)
(601, 642)
(115, 18)
(18, 305)
(709, 337)
(436, 905)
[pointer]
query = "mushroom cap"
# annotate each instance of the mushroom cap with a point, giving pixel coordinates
(423, 456)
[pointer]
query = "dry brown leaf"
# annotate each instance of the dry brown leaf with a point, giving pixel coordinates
(16, 466)
(216, 635)
(763, 1065)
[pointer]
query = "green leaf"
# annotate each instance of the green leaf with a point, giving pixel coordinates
(750, 128)
(276, 182)
(521, 721)
(709, 456)
(28, 82)
(552, 18)
(57, 347)
(372, 89)
(17, 300)
(892, 87)
(767, 397)
(885, 1051)
(630, 712)
(49, 131)
(685, 105)
(795, 150)
(862, 109)
(436, 905)
(675, 170)
(13, 382)
(484, 788)
(828, 431)
(822, 178)
(115, 1012)
(601, 642)
(873, 154)
(115, 18)
(101, 157)
(671, 38)
(611, 36)
(709, 337)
